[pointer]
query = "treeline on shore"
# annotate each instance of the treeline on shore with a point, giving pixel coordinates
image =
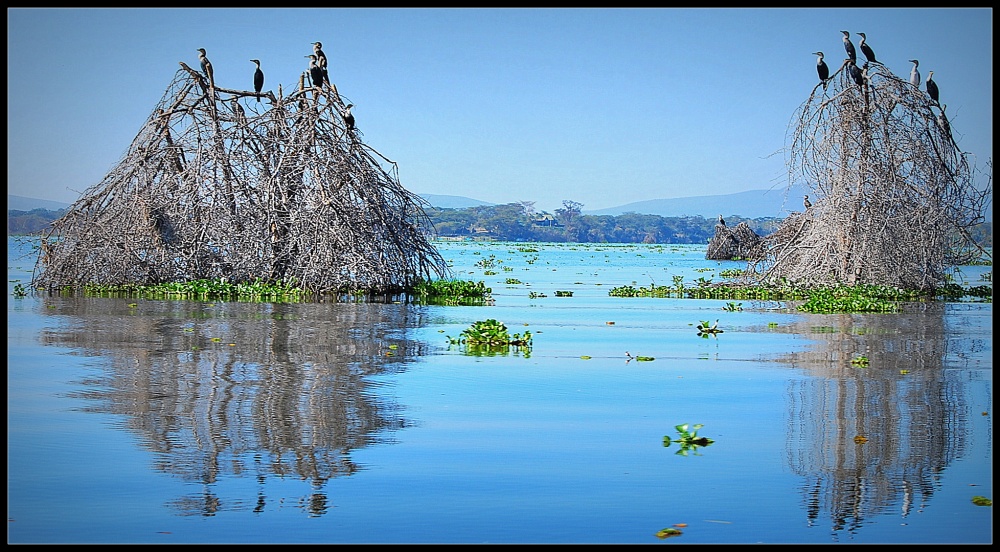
(516, 222)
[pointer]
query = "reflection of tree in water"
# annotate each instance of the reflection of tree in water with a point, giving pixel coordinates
(909, 403)
(244, 389)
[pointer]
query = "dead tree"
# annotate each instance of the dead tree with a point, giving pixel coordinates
(740, 243)
(213, 188)
(894, 197)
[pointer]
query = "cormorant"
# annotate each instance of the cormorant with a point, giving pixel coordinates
(822, 69)
(914, 74)
(721, 220)
(849, 46)
(942, 121)
(866, 49)
(932, 87)
(321, 60)
(806, 202)
(348, 117)
(258, 78)
(315, 73)
(856, 74)
(206, 67)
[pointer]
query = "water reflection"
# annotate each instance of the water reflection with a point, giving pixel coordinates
(874, 440)
(236, 389)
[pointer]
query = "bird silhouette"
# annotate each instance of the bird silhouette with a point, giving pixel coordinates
(822, 69)
(932, 87)
(849, 46)
(258, 78)
(914, 73)
(206, 67)
(866, 49)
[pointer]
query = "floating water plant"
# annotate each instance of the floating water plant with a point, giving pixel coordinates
(668, 532)
(687, 439)
(860, 361)
(488, 337)
(706, 328)
(733, 307)
(452, 292)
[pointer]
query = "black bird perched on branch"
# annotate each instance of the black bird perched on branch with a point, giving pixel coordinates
(315, 73)
(914, 74)
(321, 60)
(348, 117)
(866, 49)
(258, 78)
(206, 67)
(806, 203)
(849, 46)
(942, 121)
(856, 74)
(822, 69)
(932, 87)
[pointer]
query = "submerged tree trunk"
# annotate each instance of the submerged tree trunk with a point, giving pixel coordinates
(214, 188)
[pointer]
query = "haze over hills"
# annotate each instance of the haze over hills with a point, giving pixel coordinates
(750, 204)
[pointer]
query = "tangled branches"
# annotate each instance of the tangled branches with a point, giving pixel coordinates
(213, 188)
(894, 196)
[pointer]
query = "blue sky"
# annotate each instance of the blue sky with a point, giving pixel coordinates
(599, 106)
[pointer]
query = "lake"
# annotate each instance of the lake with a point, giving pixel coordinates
(167, 422)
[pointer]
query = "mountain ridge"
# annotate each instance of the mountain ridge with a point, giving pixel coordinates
(749, 204)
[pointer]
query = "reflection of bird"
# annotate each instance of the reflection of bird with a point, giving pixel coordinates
(315, 73)
(321, 60)
(866, 49)
(849, 46)
(914, 74)
(258, 78)
(806, 202)
(721, 220)
(206, 67)
(822, 69)
(349, 117)
(932, 88)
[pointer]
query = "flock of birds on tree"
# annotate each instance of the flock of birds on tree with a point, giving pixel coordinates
(858, 75)
(319, 75)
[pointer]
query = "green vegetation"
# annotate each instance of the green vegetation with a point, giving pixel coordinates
(817, 300)
(688, 439)
(981, 501)
(444, 292)
(490, 337)
(257, 290)
(451, 292)
(512, 222)
(706, 328)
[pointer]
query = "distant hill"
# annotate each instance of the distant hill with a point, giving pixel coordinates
(750, 204)
(452, 202)
(21, 203)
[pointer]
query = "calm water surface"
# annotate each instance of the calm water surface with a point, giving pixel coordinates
(194, 422)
